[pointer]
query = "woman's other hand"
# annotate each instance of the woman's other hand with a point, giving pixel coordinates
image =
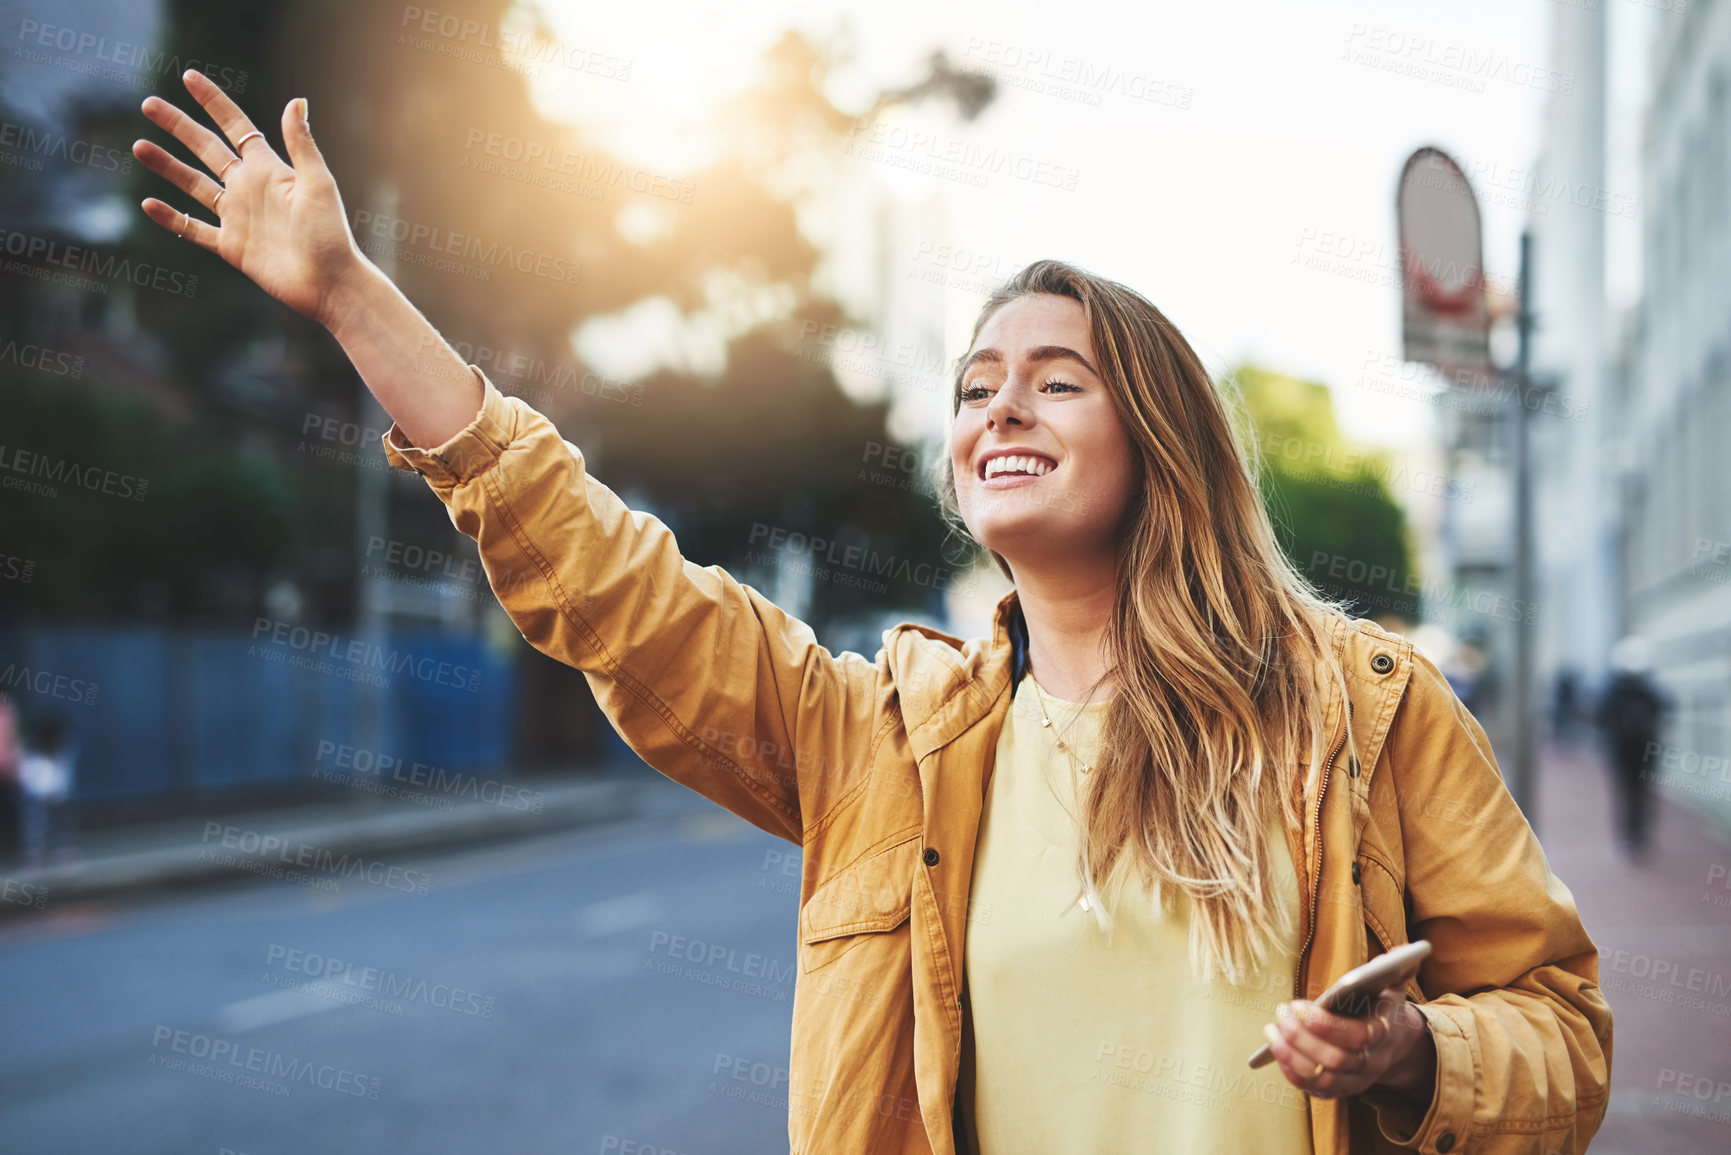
(1331, 1056)
(282, 226)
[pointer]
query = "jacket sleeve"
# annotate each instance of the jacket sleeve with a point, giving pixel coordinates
(1522, 1031)
(706, 679)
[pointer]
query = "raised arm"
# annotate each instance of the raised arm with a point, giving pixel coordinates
(284, 227)
(708, 680)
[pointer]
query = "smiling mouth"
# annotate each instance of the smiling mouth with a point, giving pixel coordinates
(1016, 465)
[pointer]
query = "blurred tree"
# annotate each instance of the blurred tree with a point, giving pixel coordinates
(416, 126)
(1329, 499)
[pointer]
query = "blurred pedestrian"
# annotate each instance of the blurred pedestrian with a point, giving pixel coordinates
(1628, 713)
(11, 790)
(1565, 703)
(46, 774)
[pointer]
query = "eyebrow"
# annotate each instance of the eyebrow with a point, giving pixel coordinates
(1037, 354)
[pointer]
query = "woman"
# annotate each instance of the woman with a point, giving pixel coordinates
(1054, 881)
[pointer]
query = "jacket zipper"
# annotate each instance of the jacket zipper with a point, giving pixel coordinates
(1310, 930)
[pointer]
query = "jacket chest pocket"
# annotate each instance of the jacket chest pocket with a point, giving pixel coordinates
(870, 897)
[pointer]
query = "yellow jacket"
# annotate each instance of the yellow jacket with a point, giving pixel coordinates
(878, 770)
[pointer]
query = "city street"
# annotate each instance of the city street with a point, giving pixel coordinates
(523, 1004)
(627, 988)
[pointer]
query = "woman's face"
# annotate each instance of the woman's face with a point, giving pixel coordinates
(1044, 468)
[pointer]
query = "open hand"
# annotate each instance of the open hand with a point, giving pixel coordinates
(282, 226)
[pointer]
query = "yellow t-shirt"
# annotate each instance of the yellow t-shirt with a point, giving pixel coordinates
(1077, 1045)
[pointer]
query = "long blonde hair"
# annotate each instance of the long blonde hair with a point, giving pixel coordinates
(1216, 641)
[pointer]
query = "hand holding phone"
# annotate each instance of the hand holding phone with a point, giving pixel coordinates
(1354, 994)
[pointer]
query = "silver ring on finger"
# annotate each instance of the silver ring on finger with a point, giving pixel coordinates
(1363, 1057)
(241, 143)
(232, 161)
(185, 223)
(215, 205)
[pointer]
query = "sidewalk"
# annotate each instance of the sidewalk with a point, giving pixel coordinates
(310, 839)
(1663, 929)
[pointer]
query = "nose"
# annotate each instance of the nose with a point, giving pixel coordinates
(1006, 408)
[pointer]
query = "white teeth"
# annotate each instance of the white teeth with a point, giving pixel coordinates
(1017, 464)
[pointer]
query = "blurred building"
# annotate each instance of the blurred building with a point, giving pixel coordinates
(1634, 514)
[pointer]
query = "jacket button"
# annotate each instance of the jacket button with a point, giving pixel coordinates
(930, 857)
(1355, 874)
(1445, 1142)
(1381, 663)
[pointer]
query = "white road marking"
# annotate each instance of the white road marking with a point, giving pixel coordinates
(275, 1007)
(617, 914)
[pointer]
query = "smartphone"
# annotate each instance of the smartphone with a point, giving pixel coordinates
(1354, 993)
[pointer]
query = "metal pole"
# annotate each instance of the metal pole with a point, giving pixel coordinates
(1520, 778)
(372, 523)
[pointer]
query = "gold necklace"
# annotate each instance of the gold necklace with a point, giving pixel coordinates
(1046, 724)
(1082, 898)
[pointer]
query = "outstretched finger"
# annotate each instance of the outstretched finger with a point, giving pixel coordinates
(205, 144)
(181, 225)
(182, 176)
(225, 112)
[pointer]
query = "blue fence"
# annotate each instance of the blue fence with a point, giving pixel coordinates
(155, 711)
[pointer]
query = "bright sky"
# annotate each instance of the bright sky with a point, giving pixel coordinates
(1299, 118)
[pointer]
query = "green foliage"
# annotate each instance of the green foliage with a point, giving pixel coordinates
(142, 520)
(1332, 511)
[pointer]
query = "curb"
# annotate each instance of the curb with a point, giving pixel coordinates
(191, 860)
